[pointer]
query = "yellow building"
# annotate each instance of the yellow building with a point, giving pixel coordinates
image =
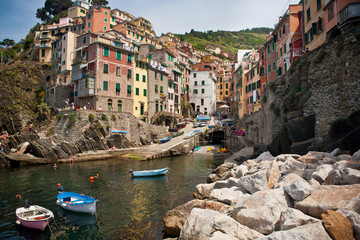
(256, 91)
(314, 23)
(144, 24)
(76, 12)
(141, 88)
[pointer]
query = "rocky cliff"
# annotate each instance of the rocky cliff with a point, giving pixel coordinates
(315, 105)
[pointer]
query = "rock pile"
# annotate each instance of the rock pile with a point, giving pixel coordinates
(314, 196)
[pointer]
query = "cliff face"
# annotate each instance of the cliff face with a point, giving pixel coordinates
(315, 105)
(20, 94)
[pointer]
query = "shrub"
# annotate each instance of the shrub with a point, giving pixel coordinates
(272, 86)
(264, 99)
(276, 111)
(59, 116)
(294, 91)
(320, 56)
(113, 117)
(104, 117)
(72, 117)
(108, 127)
(91, 117)
(98, 125)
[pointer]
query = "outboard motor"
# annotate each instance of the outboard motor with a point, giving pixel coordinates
(26, 203)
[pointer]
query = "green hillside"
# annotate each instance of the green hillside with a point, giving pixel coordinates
(229, 41)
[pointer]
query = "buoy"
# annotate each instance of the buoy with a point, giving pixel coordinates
(218, 150)
(91, 178)
(58, 184)
(18, 222)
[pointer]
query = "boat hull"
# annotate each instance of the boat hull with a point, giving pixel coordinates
(34, 221)
(164, 140)
(77, 202)
(83, 208)
(149, 173)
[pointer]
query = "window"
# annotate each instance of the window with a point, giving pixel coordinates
(137, 91)
(42, 52)
(89, 16)
(118, 55)
(150, 56)
(283, 29)
(195, 91)
(144, 92)
(331, 12)
(104, 27)
(105, 13)
(285, 67)
(106, 68)
(258, 84)
(118, 71)
(308, 15)
(314, 28)
(274, 66)
(202, 102)
(273, 46)
(284, 48)
(129, 58)
(281, 52)
(262, 55)
(202, 82)
(129, 73)
(161, 77)
(119, 106)
(117, 88)
(195, 83)
(318, 4)
(89, 23)
(156, 88)
(137, 77)
(144, 78)
(268, 48)
(194, 75)
(227, 85)
(203, 90)
(105, 19)
(105, 85)
(319, 24)
(106, 51)
(128, 89)
(84, 39)
(161, 89)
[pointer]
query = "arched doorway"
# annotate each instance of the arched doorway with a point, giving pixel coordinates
(119, 102)
(109, 104)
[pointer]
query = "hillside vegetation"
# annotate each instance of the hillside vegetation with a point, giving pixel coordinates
(229, 41)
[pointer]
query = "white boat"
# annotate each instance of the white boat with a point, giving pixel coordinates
(34, 217)
(76, 202)
(189, 135)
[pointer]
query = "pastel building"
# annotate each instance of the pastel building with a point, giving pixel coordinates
(203, 91)
(103, 73)
(270, 59)
(141, 88)
(99, 20)
(314, 25)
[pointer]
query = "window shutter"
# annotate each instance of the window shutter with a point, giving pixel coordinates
(117, 87)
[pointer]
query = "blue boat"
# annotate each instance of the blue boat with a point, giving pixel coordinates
(76, 202)
(198, 148)
(149, 173)
(118, 131)
(211, 126)
(164, 140)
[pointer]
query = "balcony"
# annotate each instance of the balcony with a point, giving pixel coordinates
(45, 37)
(45, 45)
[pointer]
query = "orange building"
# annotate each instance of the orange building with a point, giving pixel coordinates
(99, 20)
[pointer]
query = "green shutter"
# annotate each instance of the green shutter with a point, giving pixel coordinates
(117, 87)
(118, 55)
(137, 91)
(129, 89)
(144, 78)
(106, 51)
(105, 85)
(144, 92)
(202, 90)
(137, 77)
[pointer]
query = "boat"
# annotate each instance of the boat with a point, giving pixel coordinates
(197, 131)
(211, 126)
(181, 124)
(198, 148)
(76, 202)
(173, 129)
(189, 135)
(196, 124)
(164, 140)
(149, 173)
(34, 217)
(118, 131)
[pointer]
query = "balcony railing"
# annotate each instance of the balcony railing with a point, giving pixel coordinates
(45, 45)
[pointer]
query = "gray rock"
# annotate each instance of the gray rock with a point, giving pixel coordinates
(241, 170)
(345, 157)
(336, 152)
(228, 183)
(227, 195)
(287, 180)
(265, 156)
(241, 156)
(347, 164)
(322, 172)
(293, 166)
(201, 223)
(299, 190)
(344, 176)
(292, 218)
(261, 210)
(204, 190)
(356, 156)
(218, 235)
(314, 184)
(24, 147)
(255, 182)
(354, 218)
(313, 231)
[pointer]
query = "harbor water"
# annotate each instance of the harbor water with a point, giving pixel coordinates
(127, 208)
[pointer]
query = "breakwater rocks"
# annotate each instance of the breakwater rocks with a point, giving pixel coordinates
(314, 196)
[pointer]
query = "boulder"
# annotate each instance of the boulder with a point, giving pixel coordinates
(175, 218)
(322, 172)
(24, 147)
(287, 180)
(292, 166)
(241, 170)
(228, 183)
(354, 218)
(60, 152)
(261, 210)
(313, 157)
(218, 177)
(227, 195)
(344, 176)
(241, 156)
(337, 225)
(218, 235)
(345, 157)
(313, 231)
(265, 156)
(336, 152)
(265, 166)
(202, 223)
(42, 149)
(331, 197)
(274, 174)
(299, 190)
(255, 182)
(356, 156)
(292, 218)
(204, 190)
(347, 164)
(223, 168)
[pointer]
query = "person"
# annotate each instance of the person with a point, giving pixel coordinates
(85, 107)
(99, 108)
(55, 166)
(71, 159)
(30, 127)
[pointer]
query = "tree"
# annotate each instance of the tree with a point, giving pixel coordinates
(7, 42)
(52, 8)
(100, 3)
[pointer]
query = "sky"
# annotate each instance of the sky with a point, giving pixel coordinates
(17, 17)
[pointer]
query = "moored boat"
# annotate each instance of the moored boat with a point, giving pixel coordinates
(118, 131)
(196, 149)
(189, 135)
(149, 173)
(164, 140)
(34, 217)
(76, 202)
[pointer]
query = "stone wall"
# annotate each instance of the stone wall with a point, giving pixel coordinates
(139, 132)
(319, 89)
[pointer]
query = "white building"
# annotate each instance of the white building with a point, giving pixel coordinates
(203, 92)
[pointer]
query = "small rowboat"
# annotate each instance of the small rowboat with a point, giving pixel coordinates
(198, 148)
(118, 131)
(34, 217)
(189, 135)
(149, 173)
(76, 202)
(164, 140)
